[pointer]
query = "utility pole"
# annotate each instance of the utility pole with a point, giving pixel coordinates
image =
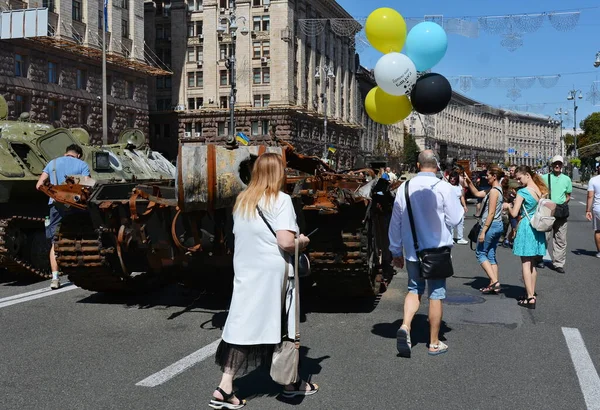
(572, 96)
(104, 98)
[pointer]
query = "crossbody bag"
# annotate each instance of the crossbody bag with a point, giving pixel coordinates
(435, 263)
(562, 210)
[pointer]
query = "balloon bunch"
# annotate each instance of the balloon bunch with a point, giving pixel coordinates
(397, 75)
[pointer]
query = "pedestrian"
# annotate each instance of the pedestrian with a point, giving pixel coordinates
(481, 184)
(560, 187)
(392, 175)
(513, 186)
(491, 227)
(592, 212)
(529, 243)
(438, 211)
(56, 172)
(254, 323)
(454, 179)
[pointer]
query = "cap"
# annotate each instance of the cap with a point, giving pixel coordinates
(557, 158)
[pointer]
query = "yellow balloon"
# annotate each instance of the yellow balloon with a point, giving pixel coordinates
(386, 30)
(387, 109)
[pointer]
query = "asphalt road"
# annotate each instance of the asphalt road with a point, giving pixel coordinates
(74, 349)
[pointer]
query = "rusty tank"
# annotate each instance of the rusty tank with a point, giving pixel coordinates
(183, 231)
(25, 148)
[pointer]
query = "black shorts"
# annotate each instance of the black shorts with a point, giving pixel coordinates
(56, 215)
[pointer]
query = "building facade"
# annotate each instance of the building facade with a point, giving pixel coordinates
(288, 85)
(467, 129)
(58, 78)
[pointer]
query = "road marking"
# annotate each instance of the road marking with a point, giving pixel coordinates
(584, 367)
(35, 294)
(582, 203)
(180, 366)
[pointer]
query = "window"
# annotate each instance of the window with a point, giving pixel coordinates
(199, 102)
(195, 5)
(124, 28)
(223, 101)
(191, 54)
(266, 49)
(223, 77)
(191, 80)
(191, 104)
(256, 75)
(266, 78)
(261, 49)
(198, 28)
(224, 51)
(199, 53)
(254, 128)
(163, 82)
(130, 86)
(261, 23)
(199, 79)
(84, 111)
(221, 129)
(265, 127)
(52, 72)
(261, 75)
(124, 4)
(257, 3)
(76, 10)
(190, 30)
(101, 20)
(49, 4)
(198, 128)
(188, 127)
(261, 100)
(20, 70)
(20, 104)
(53, 110)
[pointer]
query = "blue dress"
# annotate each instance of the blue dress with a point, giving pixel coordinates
(528, 241)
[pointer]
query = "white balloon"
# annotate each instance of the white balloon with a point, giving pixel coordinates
(396, 74)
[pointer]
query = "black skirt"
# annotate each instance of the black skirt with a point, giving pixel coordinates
(241, 359)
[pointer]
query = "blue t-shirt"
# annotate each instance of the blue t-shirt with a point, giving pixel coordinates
(65, 166)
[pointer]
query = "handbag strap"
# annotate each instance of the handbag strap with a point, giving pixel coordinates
(266, 222)
(297, 295)
(410, 217)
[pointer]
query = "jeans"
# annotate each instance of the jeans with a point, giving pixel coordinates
(416, 284)
(486, 250)
(460, 229)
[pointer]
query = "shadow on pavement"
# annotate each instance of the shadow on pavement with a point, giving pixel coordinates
(419, 331)
(258, 382)
(509, 291)
(11, 279)
(584, 252)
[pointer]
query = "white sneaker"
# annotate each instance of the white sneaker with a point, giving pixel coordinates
(598, 255)
(462, 242)
(55, 284)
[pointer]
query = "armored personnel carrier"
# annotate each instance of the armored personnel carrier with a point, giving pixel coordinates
(183, 232)
(25, 148)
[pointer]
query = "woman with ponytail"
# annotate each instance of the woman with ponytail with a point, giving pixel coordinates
(529, 243)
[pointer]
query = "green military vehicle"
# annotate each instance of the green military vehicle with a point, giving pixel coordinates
(25, 148)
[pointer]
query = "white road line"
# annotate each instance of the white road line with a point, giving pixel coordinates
(180, 366)
(36, 294)
(584, 367)
(582, 203)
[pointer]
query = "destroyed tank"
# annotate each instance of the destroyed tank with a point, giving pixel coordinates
(25, 148)
(134, 233)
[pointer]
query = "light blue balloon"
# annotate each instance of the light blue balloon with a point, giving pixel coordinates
(426, 45)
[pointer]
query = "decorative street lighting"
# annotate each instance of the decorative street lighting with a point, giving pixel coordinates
(571, 96)
(597, 62)
(559, 114)
(231, 22)
(328, 72)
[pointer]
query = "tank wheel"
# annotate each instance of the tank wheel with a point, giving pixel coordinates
(39, 248)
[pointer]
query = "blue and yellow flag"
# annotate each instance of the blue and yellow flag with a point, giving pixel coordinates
(242, 138)
(331, 149)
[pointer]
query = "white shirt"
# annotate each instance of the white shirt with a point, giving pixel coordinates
(594, 186)
(436, 211)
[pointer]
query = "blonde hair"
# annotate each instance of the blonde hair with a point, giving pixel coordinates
(538, 180)
(268, 177)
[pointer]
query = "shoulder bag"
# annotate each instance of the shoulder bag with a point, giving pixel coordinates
(303, 261)
(286, 355)
(435, 263)
(562, 210)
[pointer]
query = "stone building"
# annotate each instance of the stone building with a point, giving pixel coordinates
(467, 129)
(58, 78)
(284, 78)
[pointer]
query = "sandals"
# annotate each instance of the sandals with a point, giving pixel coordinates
(492, 289)
(403, 343)
(297, 392)
(524, 297)
(440, 348)
(527, 303)
(225, 403)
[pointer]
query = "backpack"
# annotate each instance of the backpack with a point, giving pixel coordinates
(543, 217)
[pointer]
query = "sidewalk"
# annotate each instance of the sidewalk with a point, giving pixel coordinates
(580, 186)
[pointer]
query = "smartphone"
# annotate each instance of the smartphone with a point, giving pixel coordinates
(316, 229)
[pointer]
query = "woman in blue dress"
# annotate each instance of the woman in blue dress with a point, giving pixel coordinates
(529, 243)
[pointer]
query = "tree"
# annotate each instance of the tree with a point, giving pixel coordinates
(411, 150)
(591, 130)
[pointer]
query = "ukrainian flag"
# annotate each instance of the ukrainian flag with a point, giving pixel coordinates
(242, 138)
(331, 149)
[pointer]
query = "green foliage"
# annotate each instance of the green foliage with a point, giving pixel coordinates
(576, 162)
(411, 150)
(591, 129)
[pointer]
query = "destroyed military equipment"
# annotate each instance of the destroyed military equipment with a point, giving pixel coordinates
(134, 234)
(25, 148)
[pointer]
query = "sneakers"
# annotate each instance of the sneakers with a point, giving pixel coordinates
(55, 284)
(462, 242)
(403, 343)
(598, 255)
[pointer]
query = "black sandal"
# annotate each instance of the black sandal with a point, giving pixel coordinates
(524, 297)
(225, 403)
(297, 392)
(526, 303)
(492, 289)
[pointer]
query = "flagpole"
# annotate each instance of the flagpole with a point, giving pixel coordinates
(104, 102)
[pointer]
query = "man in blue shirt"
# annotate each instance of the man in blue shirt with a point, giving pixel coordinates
(57, 171)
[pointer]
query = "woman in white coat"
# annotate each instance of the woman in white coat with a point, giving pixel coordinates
(253, 326)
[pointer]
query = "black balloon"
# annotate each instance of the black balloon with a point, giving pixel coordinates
(431, 94)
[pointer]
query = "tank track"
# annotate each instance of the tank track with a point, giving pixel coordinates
(83, 255)
(13, 262)
(349, 265)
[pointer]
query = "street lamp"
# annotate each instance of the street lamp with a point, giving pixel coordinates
(571, 96)
(231, 22)
(597, 62)
(328, 72)
(559, 114)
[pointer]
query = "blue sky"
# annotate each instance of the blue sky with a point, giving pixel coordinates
(544, 52)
